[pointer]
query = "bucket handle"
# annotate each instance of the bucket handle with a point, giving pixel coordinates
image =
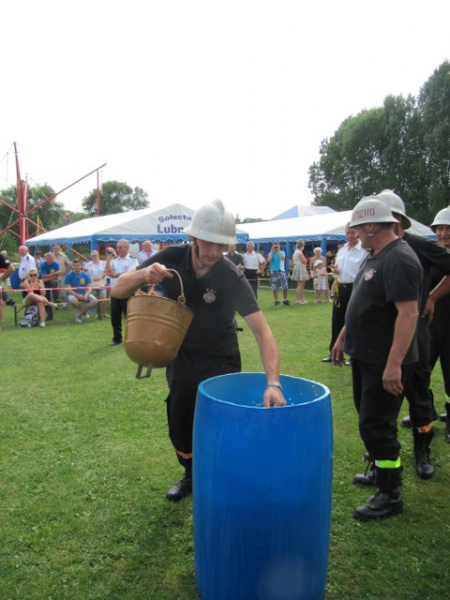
(181, 298)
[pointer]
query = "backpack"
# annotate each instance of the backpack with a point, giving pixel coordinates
(31, 317)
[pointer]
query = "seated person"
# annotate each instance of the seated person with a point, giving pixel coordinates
(96, 269)
(35, 294)
(78, 291)
(50, 271)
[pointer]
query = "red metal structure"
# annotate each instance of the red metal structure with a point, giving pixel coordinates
(23, 212)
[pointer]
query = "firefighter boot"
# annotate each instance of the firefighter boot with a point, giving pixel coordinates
(182, 488)
(368, 477)
(387, 500)
(422, 441)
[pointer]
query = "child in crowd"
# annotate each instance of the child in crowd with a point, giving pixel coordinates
(320, 276)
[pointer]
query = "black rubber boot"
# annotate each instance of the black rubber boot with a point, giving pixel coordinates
(387, 500)
(181, 489)
(406, 422)
(422, 441)
(367, 478)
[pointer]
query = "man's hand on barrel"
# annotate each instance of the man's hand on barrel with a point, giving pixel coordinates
(156, 272)
(273, 396)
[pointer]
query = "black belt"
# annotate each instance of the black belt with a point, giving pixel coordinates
(345, 285)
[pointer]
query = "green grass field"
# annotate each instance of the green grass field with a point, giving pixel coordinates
(86, 461)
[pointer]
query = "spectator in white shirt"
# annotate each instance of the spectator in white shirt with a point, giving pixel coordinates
(115, 267)
(27, 262)
(346, 266)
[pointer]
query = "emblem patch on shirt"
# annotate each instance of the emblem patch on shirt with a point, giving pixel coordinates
(369, 274)
(209, 296)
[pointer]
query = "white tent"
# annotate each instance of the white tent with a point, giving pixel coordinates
(328, 226)
(303, 211)
(165, 225)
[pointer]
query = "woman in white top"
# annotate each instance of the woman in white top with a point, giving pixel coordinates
(96, 269)
(300, 272)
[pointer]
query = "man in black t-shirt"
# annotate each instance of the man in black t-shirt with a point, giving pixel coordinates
(440, 325)
(235, 257)
(379, 335)
(418, 393)
(215, 290)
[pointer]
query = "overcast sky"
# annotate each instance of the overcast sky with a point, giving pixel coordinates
(193, 100)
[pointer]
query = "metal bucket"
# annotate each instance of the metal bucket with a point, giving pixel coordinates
(155, 329)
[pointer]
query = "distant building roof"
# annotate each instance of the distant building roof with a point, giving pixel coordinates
(303, 211)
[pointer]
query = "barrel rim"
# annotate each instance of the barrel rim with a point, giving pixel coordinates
(326, 391)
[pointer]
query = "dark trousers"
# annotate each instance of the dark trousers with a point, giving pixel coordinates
(118, 308)
(183, 377)
(377, 410)
(417, 392)
(340, 303)
(252, 276)
(52, 296)
(440, 342)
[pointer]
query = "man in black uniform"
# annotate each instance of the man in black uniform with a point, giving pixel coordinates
(418, 393)
(379, 335)
(440, 325)
(215, 290)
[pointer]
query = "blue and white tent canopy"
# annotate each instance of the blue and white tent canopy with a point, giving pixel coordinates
(327, 226)
(165, 225)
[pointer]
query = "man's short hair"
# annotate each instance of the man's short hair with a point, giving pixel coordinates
(76, 260)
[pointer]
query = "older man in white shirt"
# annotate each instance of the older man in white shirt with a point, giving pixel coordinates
(146, 251)
(115, 267)
(254, 265)
(27, 262)
(346, 267)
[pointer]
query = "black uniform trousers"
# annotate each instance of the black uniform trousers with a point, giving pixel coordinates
(118, 308)
(440, 342)
(184, 375)
(340, 304)
(417, 392)
(377, 409)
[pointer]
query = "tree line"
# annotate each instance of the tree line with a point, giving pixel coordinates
(403, 145)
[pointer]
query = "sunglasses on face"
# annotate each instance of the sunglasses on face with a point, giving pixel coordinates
(33, 274)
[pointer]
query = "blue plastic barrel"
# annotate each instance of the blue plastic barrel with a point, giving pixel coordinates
(262, 489)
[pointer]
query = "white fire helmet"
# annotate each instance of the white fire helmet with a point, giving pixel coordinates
(371, 210)
(442, 218)
(212, 223)
(396, 205)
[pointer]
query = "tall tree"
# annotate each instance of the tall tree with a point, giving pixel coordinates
(434, 105)
(116, 197)
(351, 162)
(404, 145)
